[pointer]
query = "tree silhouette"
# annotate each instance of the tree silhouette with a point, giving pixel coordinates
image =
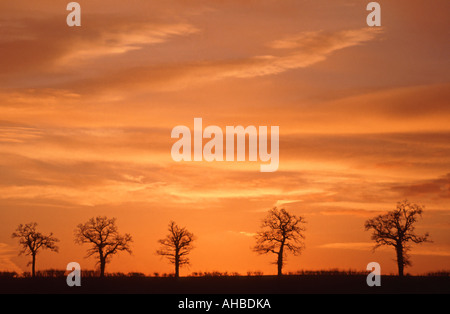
(176, 246)
(104, 238)
(396, 228)
(32, 241)
(282, 232)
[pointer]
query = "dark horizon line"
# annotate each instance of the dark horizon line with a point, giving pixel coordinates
(91, 273)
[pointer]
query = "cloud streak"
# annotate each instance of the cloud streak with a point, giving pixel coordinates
(6, 264)
(316, 47)
(121, 39)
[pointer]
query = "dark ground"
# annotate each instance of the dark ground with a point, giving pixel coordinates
(292, 284)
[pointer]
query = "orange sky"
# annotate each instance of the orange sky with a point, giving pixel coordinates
(86, 115)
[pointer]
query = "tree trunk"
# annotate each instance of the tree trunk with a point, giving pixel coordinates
(400, 260)
(280, 257)
(33, 266)
(280, 262)
(102, 266)
(177, 267)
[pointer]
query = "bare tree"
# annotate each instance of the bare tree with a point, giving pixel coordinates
(32, 241)
(282, 232)
(396, 228)
(104, 238)
(176, 246)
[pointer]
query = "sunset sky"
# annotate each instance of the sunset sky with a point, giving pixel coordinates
(86, 115)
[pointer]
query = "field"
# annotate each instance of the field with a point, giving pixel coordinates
(289, 284)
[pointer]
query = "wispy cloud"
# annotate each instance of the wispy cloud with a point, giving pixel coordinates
(243, 233)
(280, 203)
(122, 39)
(315, 47)
(434, 250)
(351, 212)
(348, 245)
(6, 264)
(325, 41)
(307, 49)
(12, 134)
(439, 187)
(56, 56)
